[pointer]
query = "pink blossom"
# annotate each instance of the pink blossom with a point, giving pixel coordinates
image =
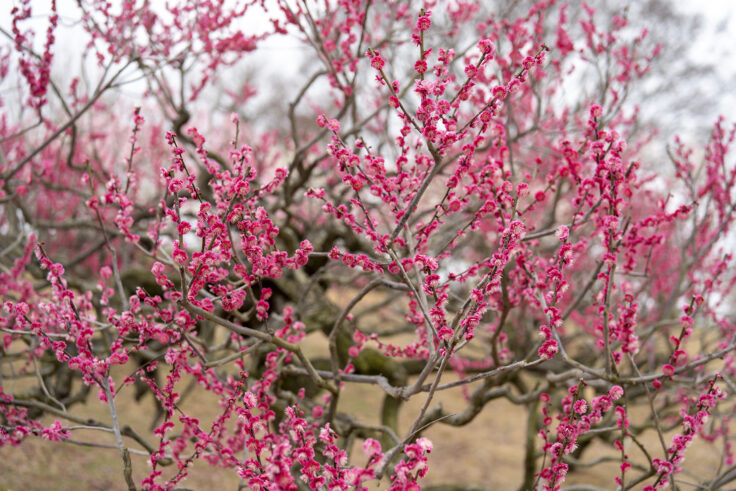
(616, 392)
(420, 66)
(548, 349)
(333, 125)
(562, 233)
(424, 22)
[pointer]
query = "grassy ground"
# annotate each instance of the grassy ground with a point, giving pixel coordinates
(488, 452)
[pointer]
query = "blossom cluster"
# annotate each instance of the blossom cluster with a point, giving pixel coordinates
(430, 214)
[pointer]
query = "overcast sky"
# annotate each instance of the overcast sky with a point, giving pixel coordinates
(715, 44)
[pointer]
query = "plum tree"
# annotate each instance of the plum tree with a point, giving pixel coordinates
(444, 197)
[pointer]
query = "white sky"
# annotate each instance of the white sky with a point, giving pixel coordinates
(717, 47)
(716, 44)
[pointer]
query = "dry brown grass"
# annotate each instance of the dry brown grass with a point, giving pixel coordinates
(488, 452)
